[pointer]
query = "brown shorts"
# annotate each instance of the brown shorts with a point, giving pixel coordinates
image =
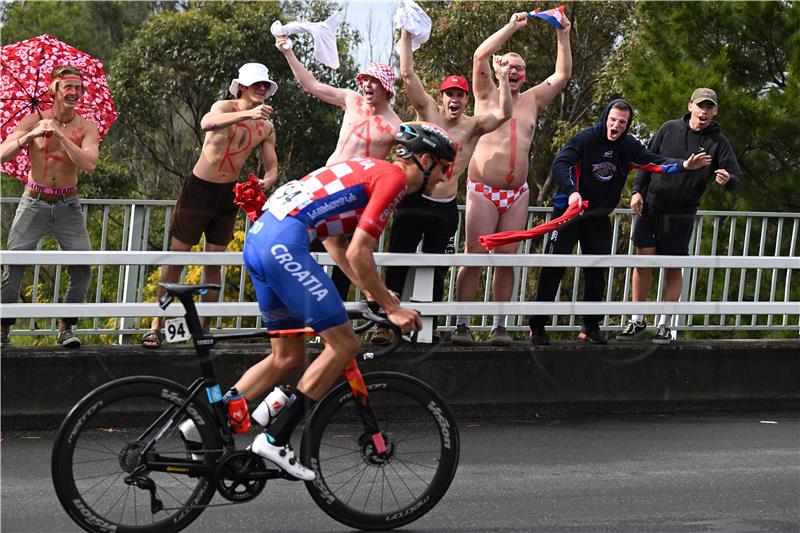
(204, 207)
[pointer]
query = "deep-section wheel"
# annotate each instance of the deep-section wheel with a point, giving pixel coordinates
(366, 488)
(99, 468)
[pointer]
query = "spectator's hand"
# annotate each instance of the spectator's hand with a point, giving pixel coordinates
(283, 43)
(637, 203)
(500, 65)
(574, 197)
(44, 128)
(263, 184)
(722, 176)
(407, 320)
(519, 20)
(261, 112)
(567, 26)
(697, 161)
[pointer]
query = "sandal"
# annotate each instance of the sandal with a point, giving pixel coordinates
(382, 337)
(152, 339)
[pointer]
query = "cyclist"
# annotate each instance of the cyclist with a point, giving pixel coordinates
(353, 197)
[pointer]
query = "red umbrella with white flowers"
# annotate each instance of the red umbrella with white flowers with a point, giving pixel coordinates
(25, 69)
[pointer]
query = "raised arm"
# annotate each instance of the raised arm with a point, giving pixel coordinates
(546, 91)
(482, 84)
(270, 159)
(307, 81)
(219, 116)
(491, 121)
(424, 105)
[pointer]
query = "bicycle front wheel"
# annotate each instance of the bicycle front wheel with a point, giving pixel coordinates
(99, 460)
(364, 489)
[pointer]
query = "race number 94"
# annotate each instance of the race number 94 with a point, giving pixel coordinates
(176, 330)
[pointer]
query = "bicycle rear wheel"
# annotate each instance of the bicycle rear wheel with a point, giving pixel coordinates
(358, 487)
(99, 445)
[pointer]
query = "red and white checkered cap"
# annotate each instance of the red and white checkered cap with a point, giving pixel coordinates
(381, 72)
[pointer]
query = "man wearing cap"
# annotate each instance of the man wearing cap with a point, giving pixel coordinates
(368, 124)
(234, 128)
(497, 179)
(369, 121)
(432, 217)
(60, 142)
(665, 206)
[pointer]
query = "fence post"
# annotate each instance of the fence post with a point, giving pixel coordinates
(134, 243)
(419, 288)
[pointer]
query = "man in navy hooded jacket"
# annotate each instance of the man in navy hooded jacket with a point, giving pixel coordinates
(593, 166)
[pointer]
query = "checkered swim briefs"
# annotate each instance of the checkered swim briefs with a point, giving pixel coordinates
(501, 198)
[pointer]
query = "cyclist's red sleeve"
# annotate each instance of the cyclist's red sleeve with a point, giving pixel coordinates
(386, 188)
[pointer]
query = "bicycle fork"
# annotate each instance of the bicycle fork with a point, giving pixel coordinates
(361, 396)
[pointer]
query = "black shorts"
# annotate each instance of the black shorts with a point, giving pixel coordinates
(204, 207)
(668, 233)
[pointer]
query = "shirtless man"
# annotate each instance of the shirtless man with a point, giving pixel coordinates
(432, 216)
(368, 124)
(60, 142)
(497, 183)
(234, 128)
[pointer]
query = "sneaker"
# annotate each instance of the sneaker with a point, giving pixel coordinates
(663, 335)
(67, 339)
(5, 340)
(191, 437)
(283, 456)
(594, 336)
(462, 336)
(381, 337)
(500, 337)
(539, 337)
(632, 331)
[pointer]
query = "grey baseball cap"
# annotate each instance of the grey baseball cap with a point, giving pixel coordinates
(703, 94)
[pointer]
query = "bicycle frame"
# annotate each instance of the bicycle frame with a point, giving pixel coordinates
(208, 382)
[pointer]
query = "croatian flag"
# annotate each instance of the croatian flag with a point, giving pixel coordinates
(552, 16)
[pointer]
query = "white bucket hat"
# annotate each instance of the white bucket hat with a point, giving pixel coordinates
(251, 73)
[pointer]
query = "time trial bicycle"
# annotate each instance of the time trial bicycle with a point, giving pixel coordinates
(384, 445)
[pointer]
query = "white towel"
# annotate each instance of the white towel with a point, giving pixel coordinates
(410, 17)
(324, 36)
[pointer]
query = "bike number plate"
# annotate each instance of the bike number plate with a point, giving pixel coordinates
(293, 195)
(176, 330)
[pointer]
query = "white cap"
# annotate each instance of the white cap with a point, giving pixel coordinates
(251, 73)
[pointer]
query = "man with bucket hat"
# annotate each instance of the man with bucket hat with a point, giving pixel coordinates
(665, 206)
(234, 128)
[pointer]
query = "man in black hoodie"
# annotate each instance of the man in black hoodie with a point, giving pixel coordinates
(665, 207)
(594, 165)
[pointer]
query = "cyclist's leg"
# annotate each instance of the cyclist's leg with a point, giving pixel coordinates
(287, 355)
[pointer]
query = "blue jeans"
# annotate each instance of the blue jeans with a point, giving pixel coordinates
(32, 221)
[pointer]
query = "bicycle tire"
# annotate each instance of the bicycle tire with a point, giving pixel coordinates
(90, 447)
(420, 432)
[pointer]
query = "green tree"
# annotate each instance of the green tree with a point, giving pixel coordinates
(97, 28)
(167, 77)
(749, 53)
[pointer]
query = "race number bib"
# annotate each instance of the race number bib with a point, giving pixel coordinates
(176, 330)
(293, 195)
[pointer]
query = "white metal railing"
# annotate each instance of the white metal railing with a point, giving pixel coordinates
(739, 278)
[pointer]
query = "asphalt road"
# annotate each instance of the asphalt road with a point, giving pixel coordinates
(715, 473)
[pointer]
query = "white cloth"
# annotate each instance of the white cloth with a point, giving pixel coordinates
(410, 17)
(324, 36)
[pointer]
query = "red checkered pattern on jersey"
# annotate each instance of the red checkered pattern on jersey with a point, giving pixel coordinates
(341, 224)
